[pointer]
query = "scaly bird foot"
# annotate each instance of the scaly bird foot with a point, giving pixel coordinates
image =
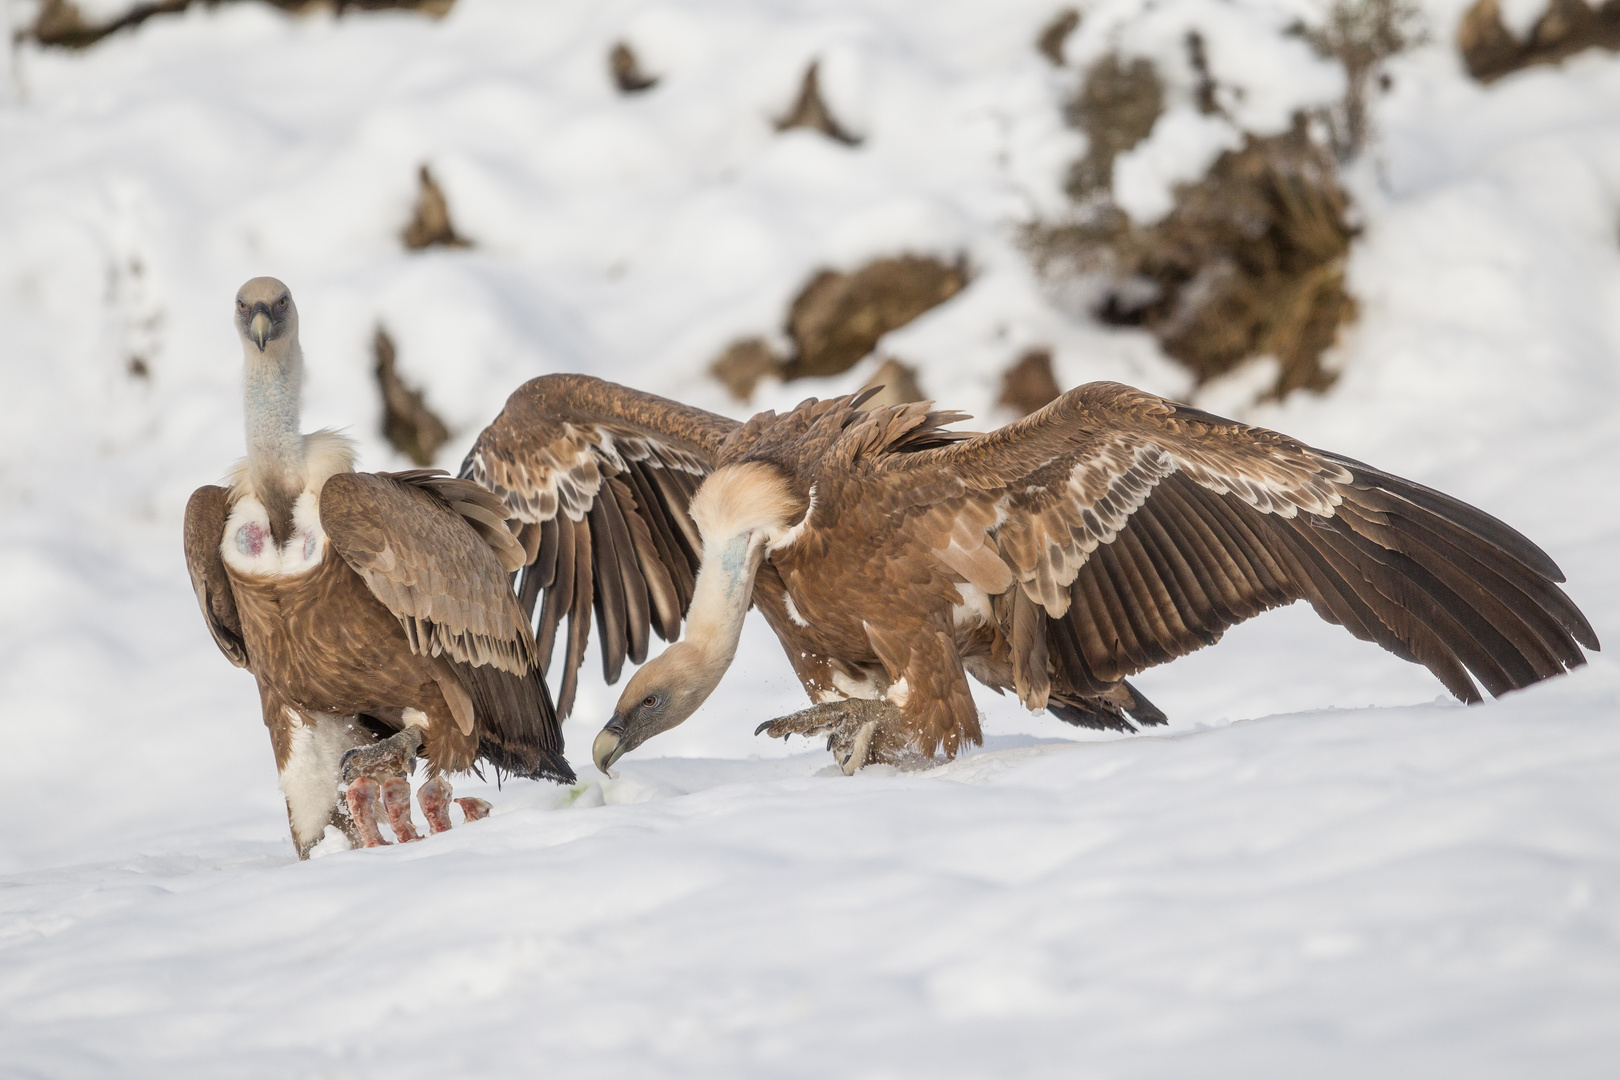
(380, 773)
(859, 732)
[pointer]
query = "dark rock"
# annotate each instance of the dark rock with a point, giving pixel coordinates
(810, 111)
(626, 70)
(430, 223)
(1052, 36)
(413, 428)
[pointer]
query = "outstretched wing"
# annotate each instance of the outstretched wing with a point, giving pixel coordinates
(436, 551)
(205, 528)
(600, 477)
(1138, 530)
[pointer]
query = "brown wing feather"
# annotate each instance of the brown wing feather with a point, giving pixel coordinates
(205, 528)
(1142, 529)
(429, 565)
(605, 473)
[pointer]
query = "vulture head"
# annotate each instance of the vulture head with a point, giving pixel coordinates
(664, 692)
(740, 510)
(266, 318)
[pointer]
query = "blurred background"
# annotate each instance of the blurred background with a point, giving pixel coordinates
(1389, 227)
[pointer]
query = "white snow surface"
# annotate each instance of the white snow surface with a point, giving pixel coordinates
(1322, 867)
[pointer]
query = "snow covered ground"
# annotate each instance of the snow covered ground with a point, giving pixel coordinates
(1322, 868)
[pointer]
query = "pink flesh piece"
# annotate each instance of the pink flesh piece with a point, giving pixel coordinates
(435, 799)
(474, 809)
(362, 796)
(396, 796)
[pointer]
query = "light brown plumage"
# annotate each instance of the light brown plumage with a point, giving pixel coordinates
(1108, 532)
(362, 602)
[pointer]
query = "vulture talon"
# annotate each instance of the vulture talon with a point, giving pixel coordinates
(860, 731)
(362, 798)
(435, 796)
(393, 756)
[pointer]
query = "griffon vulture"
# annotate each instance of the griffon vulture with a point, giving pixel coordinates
(1110, 531)
(374, 609)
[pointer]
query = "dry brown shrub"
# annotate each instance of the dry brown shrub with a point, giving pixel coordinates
(430, 224)
(1250, 262)
(810, 110)
(1361, 35)
(413, 428)
(626, 70)
(1029, 383)
(899, 385)
(61, 24)
(1489, 50)
(1049, 43)
(1116, 106)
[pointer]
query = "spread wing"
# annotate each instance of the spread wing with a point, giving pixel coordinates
(1138, 530)
(205, 528)
(600, 477)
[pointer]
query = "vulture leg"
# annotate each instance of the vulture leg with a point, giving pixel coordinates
(381, 772)
(859, 732)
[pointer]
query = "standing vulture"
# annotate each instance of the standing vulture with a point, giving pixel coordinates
(1106, 533)
(374, 609)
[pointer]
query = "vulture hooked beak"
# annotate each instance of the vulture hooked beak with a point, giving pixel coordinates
(610, 745)
(259, 326)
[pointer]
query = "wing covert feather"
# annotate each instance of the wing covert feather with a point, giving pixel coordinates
(206, 512)
(433, 567)
(1150, 527)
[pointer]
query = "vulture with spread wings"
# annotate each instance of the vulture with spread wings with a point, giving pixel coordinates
(1110, 531)
(374, 609)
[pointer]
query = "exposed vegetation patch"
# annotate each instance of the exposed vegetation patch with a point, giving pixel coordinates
(60, 23)
(409, 424)
(810, 111)
(1029, 384)
(837, 319)
(1490, 50)
(1117, 106)
(1250, 262)
(430, 224)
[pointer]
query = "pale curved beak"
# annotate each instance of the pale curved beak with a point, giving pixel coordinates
(259, 328)
(609, 745)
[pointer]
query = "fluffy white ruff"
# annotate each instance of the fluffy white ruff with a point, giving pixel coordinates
(310, 779)
(326, 453)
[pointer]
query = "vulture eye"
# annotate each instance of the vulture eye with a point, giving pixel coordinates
(241, 305)
(281, 305)
(650, 701)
